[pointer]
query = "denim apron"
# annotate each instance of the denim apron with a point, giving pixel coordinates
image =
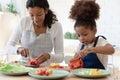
(36, 44)
(91, 60)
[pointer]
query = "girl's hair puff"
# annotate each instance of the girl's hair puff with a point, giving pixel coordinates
(85, 9)
(85, 12)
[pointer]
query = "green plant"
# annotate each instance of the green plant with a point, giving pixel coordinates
(67, 35)
(74, 36)
(11, 8)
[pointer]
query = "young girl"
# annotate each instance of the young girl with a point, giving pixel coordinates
(92, 50)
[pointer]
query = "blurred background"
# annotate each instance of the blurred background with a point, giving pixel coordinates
(108, 24)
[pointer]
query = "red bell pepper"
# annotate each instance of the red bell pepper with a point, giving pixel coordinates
(78, 63)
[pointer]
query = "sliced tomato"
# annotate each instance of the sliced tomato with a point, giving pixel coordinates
(32, 62)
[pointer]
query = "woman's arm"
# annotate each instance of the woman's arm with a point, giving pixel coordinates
(58, 44)
(13, 40)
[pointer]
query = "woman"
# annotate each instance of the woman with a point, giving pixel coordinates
(38, 34)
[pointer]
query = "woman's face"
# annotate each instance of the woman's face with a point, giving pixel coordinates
(85, 35)
(38, 15)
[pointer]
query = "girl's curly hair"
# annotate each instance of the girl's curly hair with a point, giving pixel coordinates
(85, 9)
(85, 12)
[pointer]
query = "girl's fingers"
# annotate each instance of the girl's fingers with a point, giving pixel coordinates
(81, 54)
(76, 55)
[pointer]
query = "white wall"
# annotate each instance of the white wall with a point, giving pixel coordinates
(21, 6)
(61, 9)
(108, 24)
(7, 23)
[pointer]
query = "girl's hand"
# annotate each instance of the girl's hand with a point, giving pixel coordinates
(43, 57)
(83, 53)
(23, 51)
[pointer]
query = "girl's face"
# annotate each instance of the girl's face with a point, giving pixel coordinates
(85, 35)
(38, 15)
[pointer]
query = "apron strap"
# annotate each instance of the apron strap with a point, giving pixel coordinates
(97, 39)
(82, 47)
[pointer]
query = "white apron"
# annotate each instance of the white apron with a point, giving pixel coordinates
(36, 44)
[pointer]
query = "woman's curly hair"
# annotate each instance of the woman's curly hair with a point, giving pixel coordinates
(85, 12)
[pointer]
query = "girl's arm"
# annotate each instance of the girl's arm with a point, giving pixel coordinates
(107, 49)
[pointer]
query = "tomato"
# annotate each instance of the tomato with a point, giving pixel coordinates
(46, 72)
(32, 62)
(60, 67)
(15, 61)
(78, 63)
(40, 72)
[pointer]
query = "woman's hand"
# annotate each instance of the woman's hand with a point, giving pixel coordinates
(23, 51)
(83, 53)
(43, 57)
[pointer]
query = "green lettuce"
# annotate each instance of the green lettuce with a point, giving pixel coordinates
(13, 68)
